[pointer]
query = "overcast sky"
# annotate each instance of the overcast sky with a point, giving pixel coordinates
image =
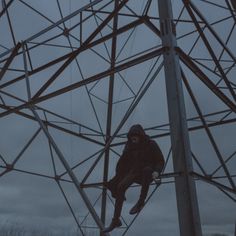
(30, 202)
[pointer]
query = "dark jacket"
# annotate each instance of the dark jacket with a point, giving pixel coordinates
(135, 157)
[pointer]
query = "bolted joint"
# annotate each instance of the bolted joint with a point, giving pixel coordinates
(145, 18)
(166, 49)
(66, 32)
(57, 178)
(209, 177)
(167, 27)
(173, 26)
(9, 167)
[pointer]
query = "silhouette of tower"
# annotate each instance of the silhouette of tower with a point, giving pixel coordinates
(76, 75)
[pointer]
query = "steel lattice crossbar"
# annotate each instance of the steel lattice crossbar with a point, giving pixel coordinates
(88, 73)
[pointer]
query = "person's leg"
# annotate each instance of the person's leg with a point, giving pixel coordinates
(145, 182)
(146, 179)
(121, 189)
(112, 185)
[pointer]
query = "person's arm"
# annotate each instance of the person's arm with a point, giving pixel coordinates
(121, 164)
(157, 157)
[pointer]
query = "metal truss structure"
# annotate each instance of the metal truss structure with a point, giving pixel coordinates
(87, 74)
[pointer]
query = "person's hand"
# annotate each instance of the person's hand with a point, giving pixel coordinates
(155, 175)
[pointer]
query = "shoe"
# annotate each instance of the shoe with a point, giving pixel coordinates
(115, 223)
(136, 208)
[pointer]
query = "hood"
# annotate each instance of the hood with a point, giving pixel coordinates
(136, 130)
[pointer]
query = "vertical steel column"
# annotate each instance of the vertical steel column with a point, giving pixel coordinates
(188, 212)
(235, 230)
(109, 115)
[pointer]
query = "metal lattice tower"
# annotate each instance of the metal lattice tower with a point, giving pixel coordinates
(75, 75)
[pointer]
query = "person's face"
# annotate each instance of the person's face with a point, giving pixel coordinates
(135, 139)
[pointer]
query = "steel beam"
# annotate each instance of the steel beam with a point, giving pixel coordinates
(68, 131)
(79, 50)
(199, 73)
(9, 22)
(5, 7)
(189, 219)
(207, 44)
(211, 181)
(10, 59)
(124, 119)
(69, 171)
(109, 115)
(189, 3)
(208, 132)
(53, 25)
(91, 79)
(64, 57)
(230, 121)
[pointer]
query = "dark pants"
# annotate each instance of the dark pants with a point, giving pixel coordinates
(144, 177)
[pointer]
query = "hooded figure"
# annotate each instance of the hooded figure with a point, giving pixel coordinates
(141, 162)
